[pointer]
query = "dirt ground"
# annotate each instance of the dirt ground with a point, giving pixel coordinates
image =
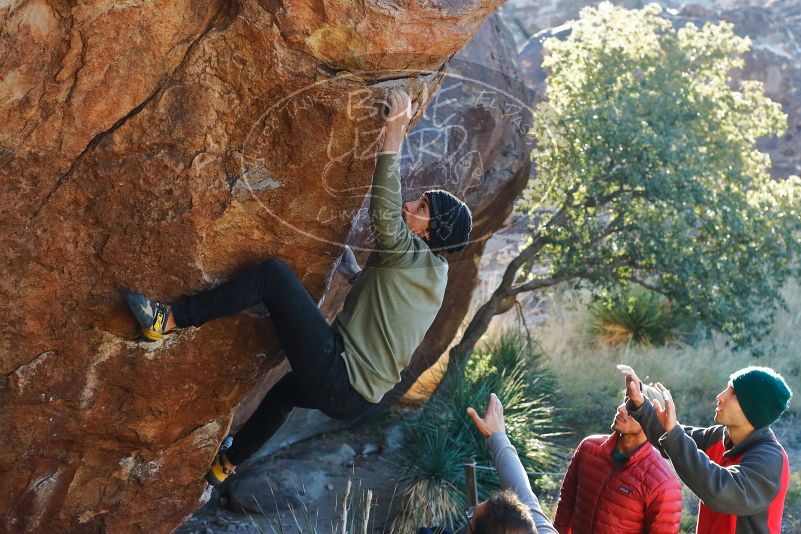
(377, 471)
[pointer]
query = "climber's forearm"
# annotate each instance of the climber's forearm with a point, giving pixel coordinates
(393, 138)
(400, 111)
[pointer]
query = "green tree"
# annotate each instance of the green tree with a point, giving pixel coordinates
(648, 175)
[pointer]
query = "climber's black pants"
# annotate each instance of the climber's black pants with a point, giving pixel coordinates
(319, 378)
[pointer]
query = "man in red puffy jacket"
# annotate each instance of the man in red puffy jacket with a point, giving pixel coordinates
(619, 484)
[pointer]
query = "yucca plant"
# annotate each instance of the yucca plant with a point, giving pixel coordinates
(635, 316)
(443, 435)
(432, 492)
(508, 367)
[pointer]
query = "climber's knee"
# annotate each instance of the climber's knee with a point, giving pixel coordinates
(347, 413)
(275, 268)
(272, 263)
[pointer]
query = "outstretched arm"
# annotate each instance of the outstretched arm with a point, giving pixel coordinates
(742, 489)
(401, 111)
(656, 419)
(639, 408)
(386, 203)
(510, 470)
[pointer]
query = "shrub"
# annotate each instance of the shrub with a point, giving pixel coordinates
(433, 484)
(585, 372)
(443, 434)
(637, 316)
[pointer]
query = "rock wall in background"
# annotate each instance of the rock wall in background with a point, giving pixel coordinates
(774, 59)
(162, 146)
(775, 56)
(526, 18)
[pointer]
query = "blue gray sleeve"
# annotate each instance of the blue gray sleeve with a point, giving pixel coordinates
(646, 416)
(513, 477)
(743, 489)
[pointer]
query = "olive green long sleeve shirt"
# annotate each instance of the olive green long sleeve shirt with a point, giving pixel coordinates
(396, 297)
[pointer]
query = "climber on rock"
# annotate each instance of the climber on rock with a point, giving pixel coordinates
(345, 368)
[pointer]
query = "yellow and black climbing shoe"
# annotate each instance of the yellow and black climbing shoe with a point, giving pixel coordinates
(217, 473)
(151, 315)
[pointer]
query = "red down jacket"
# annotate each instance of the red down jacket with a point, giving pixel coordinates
(644, 495)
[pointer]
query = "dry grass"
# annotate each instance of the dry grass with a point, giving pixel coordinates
(426, 503)
(615, 334)
(585, 368)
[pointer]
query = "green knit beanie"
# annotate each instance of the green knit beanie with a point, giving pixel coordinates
(762, 393)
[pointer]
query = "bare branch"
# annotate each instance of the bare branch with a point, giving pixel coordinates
(540, 283)
(646, 285)
(510, 274)
(592, 273)
(614, 195)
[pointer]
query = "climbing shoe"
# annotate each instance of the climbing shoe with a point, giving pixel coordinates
(151, 315)
(217, 473)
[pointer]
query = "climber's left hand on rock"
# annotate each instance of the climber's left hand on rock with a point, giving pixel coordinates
(401, 111)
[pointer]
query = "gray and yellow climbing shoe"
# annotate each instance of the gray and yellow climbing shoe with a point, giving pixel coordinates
(217, 473)
(151, 315)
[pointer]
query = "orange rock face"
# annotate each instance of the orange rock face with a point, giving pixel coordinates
(162, 146)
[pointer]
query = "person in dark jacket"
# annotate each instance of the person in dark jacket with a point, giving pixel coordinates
(619, 484)
(737, 468)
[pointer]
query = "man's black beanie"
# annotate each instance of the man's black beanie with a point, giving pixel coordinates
(450, 223)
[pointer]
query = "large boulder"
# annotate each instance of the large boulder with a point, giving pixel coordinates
(162, 146)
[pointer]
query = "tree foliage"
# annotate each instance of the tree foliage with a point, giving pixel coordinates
(648, 171)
